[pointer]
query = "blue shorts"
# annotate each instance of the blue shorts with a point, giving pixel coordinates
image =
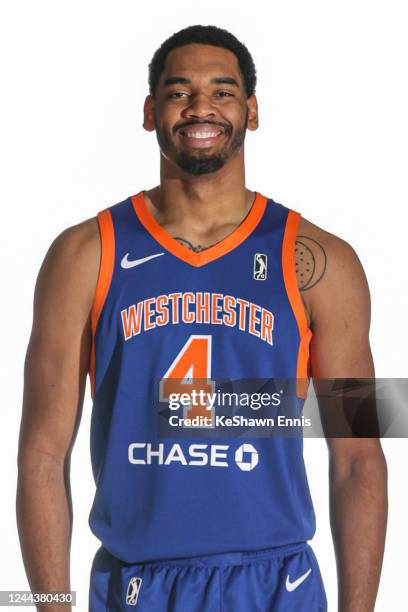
(283, 579)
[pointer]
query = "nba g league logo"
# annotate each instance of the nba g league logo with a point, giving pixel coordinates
(260, 266)
(133, 590)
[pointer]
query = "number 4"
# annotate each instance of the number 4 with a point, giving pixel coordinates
(191, 371)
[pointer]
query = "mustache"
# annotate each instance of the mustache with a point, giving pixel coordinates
(226, 126)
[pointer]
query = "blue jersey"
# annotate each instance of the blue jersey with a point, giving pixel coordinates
(161, 311)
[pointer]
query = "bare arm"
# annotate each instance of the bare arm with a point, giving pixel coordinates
(340, 314)
(54, 382)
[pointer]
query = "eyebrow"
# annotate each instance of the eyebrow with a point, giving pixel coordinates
(224, 80)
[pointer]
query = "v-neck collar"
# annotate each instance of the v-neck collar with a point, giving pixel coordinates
(227, 244)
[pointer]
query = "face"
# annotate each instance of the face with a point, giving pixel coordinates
(200, 110)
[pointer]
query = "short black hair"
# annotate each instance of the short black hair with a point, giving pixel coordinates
(204, 35)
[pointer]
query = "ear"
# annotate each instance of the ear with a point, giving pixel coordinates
(253, 119)
(148, 117)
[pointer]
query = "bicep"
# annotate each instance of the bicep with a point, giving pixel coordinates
(340, 346)
(57, 357)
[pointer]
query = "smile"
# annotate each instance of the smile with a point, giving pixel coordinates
(199, 136)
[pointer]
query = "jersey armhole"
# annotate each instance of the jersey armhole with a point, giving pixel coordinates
(107, 261)
(295, 300)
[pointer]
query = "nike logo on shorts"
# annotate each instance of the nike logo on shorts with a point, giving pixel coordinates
(291, 586)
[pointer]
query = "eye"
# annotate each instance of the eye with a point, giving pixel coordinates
(176, 95)
(224, 94)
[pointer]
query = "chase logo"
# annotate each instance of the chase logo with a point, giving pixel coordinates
(246, 457)
(260, 266)
(195, 455)
(133, 590)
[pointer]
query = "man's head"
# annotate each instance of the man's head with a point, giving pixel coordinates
(202, 98)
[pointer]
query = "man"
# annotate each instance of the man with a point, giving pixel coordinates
(197, 278)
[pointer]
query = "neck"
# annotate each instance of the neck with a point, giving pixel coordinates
(205, 199)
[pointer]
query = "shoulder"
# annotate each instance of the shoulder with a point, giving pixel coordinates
(70, 267)
(76, 245)
(328, 270)
(332, 252)
(79, 236)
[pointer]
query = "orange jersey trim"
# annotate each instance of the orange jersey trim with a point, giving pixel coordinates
(223, 247)
(292, 290)
(107, 261)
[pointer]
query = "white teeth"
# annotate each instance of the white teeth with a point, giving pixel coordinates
(202, 134)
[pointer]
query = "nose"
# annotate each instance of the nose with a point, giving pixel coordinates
(199, 107)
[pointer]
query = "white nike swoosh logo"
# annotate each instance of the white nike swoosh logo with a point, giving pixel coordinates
(291, 586)
(125, 263)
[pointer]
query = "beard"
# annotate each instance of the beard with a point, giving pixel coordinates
(200, 162)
